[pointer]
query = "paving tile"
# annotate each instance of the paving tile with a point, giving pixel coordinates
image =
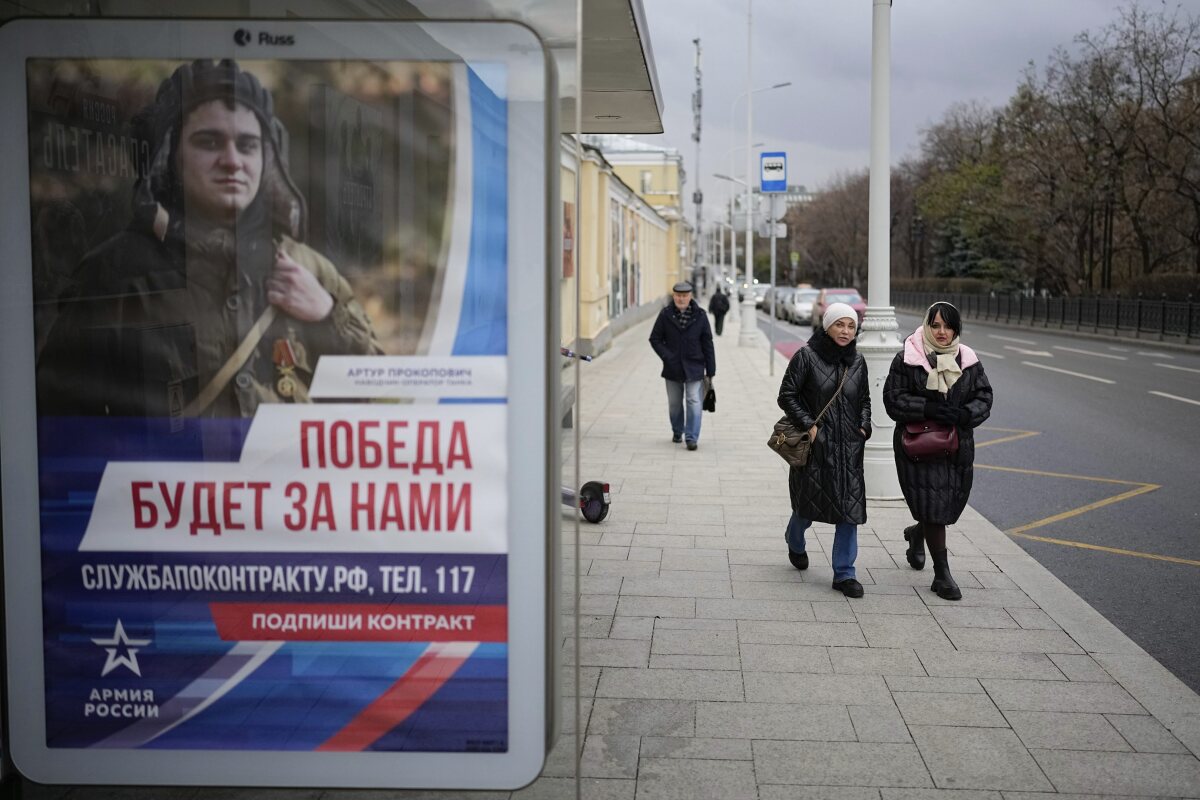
(756, 557)
(1080, 668)
(994, 580)
(631, 627)
(939, 794)
(1121, 773)
(616, 539)
(842, 634)
(1187, 730)
(659, 541)
(629, 606)
(1145, 734)
(878, 724)
(834, 611)
(695, 662)
(796, 590)
(696, 747)
(1092, 698)
(988, 598)
(646, 553)
(978, 758)
(670, 684)
(784, 610)
(784, 658)
(911, 577)
(808, 718)
(609, 653)
(875, 661)
(593, 789)
(643, 717)
(1015, 641)
(888, 630)
(695, 643)
(872, 603)
(973, 617)
(775, 792)
(1056, 730)
(1034, 619)
(622, 568)
(591, 626)
(961, 710)
(940, 685)
(675, 587)
(782, 572)
(695, 560)
(1032, 666)
(854, 764)
(691, 624)
(768, 687)
(688, 779)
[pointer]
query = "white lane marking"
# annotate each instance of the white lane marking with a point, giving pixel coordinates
(1090, 353)
(1010, 339)
(1067, 372)
(990, 355)
(1025, 352)
(1177, 397)
(1181, 369)
(1157, 355)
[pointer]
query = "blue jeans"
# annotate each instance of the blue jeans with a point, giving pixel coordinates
(685, 415)
(845, 544)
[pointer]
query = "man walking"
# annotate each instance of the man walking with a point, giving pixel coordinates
(683, 340)
(719, 306)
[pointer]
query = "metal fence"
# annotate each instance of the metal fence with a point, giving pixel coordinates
(1139, 317)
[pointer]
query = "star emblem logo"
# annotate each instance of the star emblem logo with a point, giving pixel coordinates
(121, 641)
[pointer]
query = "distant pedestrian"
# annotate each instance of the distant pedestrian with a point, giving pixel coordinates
(683, 340)
(828, 374)
(938, 378)
(719, 306)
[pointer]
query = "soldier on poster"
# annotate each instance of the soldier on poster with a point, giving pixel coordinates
(208, 303)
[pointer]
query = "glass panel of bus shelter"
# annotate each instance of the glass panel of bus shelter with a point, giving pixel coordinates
(289, 318)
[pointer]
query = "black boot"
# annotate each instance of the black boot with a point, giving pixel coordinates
(916, 546)
(943, 581)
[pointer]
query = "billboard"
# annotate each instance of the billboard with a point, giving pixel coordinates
(267, 367)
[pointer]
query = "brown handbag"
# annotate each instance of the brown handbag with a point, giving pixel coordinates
(794, 445)
(927, 440)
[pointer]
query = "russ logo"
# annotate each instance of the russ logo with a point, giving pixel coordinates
(242, 37)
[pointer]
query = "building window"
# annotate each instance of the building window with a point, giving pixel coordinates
(647, 181)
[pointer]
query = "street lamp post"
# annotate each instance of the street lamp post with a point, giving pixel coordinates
(880, 340)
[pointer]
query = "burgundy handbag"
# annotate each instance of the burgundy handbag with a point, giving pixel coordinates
(927, 440)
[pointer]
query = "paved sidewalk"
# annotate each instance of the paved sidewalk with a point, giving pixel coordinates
(713, 670)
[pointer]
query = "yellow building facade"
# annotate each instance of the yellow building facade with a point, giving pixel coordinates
(632, 245)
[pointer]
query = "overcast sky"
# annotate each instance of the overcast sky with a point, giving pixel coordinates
(943, 51)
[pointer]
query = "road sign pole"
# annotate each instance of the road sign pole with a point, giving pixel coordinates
(774, 293)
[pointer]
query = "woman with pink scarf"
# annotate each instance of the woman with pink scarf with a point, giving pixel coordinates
(937, 378)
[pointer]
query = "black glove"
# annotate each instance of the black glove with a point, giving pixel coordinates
(952, 415)
(933, 408)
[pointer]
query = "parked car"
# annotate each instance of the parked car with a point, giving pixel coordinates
(760, 292)
(781, 296)
(851, 297)
(799, 307)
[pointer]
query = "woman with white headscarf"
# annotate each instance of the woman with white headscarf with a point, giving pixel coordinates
(829, 374)
(937, 378)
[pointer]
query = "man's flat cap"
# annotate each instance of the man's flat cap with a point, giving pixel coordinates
(681, 287)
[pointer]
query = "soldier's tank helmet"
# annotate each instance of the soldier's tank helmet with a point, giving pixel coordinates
(188, 87)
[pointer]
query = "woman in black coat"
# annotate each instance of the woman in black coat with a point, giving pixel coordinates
(937, 378)
(830, 487)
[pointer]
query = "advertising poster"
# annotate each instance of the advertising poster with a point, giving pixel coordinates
(271, 331)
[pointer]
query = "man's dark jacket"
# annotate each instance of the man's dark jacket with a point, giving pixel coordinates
(684, 342)
(719, 304)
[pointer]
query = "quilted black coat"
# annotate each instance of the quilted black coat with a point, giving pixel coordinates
(830, 487)
(686, 352)
(936, 491)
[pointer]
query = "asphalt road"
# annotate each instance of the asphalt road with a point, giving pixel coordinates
(1118, 426)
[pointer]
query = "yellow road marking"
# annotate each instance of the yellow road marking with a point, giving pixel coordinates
(1115, 550)
(1108, 501)
(1021, 531)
